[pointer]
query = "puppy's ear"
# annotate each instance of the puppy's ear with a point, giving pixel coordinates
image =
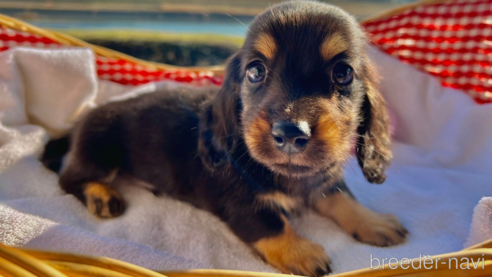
(219, 130)
(374, 141)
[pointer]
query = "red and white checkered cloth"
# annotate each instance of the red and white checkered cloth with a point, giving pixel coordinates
(452, 41)
(119, 71)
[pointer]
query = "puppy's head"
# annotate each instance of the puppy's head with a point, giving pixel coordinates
(300, 93)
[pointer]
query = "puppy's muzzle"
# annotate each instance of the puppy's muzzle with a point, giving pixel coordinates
(291, 137)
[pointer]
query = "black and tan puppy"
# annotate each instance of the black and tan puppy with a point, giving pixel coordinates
(272, 141)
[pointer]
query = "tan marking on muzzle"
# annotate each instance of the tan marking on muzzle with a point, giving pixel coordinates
(254, 134)
(329, 132)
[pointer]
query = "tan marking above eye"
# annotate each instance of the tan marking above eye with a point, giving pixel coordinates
(265, 44)
(332, 46)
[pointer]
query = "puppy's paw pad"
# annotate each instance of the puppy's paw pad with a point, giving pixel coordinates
(103, 201)
(380, 230)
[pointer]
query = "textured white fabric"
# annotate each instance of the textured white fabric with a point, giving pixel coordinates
(440, 173)
(481, 228)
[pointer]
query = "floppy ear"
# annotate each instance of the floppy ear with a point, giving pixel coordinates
(219, 129)
(374, 141)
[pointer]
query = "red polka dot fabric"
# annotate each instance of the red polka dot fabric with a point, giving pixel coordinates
(451, 41)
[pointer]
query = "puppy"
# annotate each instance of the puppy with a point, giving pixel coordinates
(270, 142)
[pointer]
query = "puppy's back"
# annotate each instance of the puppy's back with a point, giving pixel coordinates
(145, 123)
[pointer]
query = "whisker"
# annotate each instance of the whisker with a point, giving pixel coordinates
(249, 162)
(245, 152)
(229, 152)
(352, 168)
(233, 135)
(360, 144)
(239, 22)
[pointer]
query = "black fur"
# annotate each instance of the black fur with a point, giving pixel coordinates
(54, 152)
(191, 143)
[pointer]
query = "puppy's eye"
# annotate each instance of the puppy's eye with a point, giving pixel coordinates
(342, 73)
(256, 72)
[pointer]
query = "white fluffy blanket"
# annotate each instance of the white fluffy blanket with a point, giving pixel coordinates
(441, 170)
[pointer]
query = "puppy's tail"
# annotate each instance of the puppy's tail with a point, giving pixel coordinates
(54, 152)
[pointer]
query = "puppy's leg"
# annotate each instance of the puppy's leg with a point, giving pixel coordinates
(92, 186)
(363, 224)
(103, 201)
(269, 232)
(293, 254)
(96, 153)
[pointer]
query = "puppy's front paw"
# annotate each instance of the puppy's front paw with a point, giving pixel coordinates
(378, 229)
(308, 259)
(363, 224)
(103, 201)
(294, 255)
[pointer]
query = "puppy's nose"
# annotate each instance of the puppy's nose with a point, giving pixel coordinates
(290, 137)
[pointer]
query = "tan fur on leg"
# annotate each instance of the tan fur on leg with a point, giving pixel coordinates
(281, 200)
(292, 254)
(103, 201)
(360, 222)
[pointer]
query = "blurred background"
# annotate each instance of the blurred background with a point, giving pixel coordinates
(177, 32)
